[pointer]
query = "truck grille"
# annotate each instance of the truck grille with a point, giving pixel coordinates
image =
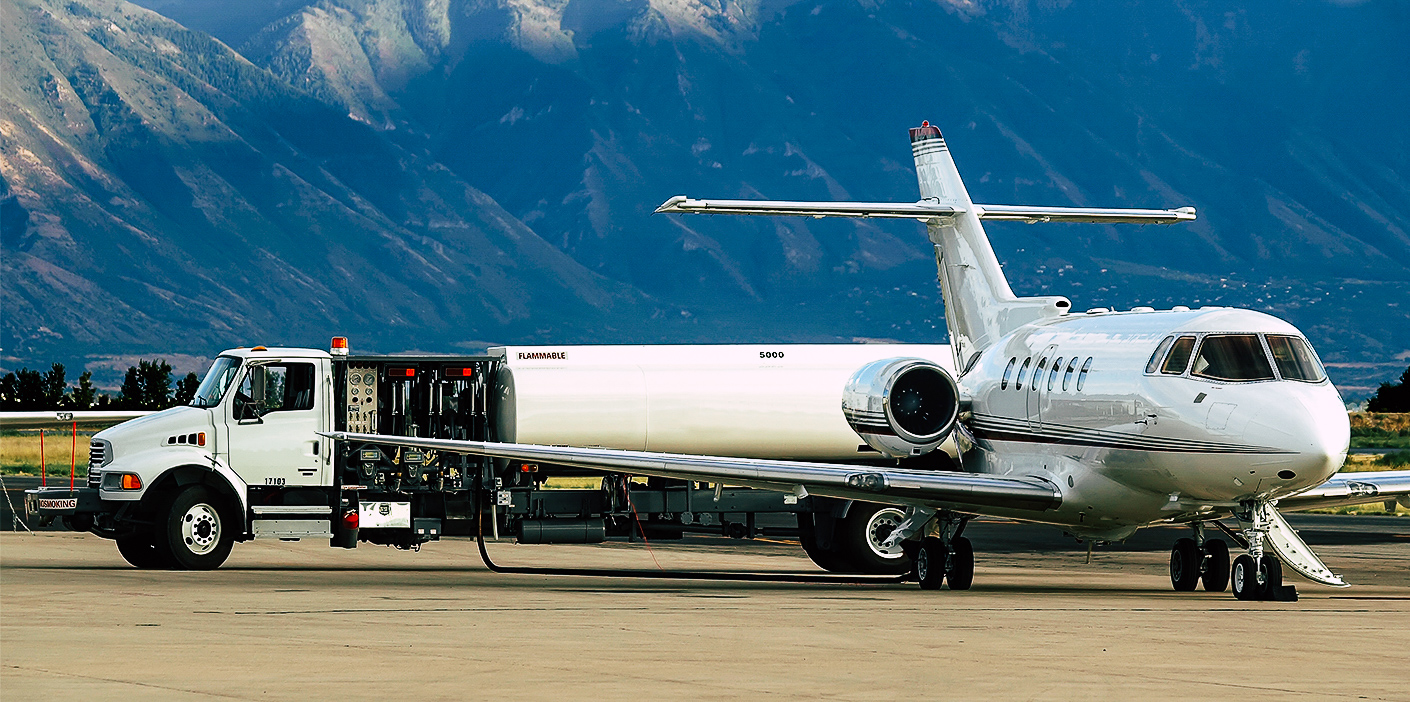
(98, 457)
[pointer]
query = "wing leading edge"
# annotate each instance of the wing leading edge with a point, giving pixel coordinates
(936, 489)
(924, 210)
(1346, 489)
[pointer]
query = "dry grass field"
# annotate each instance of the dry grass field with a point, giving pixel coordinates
(19, 453)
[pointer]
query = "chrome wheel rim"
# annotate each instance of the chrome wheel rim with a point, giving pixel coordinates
(879, 527)
(1239, 576)
(923, 564)
(200, 529)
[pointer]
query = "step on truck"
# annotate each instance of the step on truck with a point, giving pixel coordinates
(247, 458)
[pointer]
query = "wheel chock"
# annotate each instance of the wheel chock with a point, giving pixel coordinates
(1284, 593)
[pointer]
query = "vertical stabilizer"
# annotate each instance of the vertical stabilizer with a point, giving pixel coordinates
(979, 305)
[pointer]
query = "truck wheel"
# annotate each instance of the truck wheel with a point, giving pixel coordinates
(196, 531)
(142, 551)
(861, 533)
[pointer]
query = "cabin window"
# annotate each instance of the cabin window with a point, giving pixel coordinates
(1179, 356)
(1154, 364)
(1067, 374)
(1082, 377)
(1295, 359)
(1018, 385)
(1052, 377)
(1008, 371)
(1232, 357)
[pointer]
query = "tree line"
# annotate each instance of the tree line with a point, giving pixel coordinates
(146, 386)
(1392, 397)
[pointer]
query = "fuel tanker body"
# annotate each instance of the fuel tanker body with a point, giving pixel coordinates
(766, 401)
(257, 453)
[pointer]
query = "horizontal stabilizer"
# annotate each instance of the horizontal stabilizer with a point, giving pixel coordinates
(1025, 213)
(681, 204)
(924, 209)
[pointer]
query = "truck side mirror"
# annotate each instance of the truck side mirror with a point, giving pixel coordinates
(246, 411)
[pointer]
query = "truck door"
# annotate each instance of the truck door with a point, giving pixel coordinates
(273, 423)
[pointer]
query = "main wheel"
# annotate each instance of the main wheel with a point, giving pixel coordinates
(195, 529)
(961, 574)
(1244, 577)
(1184, 565)
(142, 550)
(930, 564)
(860, 536)
(828, 559)
(1216, 565)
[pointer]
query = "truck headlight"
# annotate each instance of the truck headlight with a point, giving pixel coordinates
(122, 481)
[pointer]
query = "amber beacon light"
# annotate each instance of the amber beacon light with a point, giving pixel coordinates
(339, 346)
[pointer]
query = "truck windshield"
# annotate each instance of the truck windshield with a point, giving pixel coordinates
(217, 380)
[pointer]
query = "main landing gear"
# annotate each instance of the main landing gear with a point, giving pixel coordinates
(1199, 561)
(946, 556)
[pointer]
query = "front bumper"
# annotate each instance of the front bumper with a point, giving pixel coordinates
(45, 504)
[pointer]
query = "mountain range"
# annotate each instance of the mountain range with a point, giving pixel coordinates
(443, 174)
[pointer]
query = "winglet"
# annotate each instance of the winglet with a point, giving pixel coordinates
(670, 205)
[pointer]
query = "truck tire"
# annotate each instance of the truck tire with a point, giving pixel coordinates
(861, 533)
(142, 551)
(196, 529)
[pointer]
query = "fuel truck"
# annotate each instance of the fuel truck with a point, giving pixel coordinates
(247, 458)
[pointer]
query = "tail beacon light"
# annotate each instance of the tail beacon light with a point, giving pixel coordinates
(902, 406)
(339, 347)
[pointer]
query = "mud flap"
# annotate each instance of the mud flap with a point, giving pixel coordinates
(1293, 552)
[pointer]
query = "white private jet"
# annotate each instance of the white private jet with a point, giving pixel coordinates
(1097, 423)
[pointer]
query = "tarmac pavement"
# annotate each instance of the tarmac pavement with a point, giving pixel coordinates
(300, 621)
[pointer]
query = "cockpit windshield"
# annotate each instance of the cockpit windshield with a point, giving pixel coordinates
(1232, 357)
(217, 380)
(1295, 359)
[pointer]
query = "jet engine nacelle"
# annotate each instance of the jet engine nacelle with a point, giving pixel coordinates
(902, 406)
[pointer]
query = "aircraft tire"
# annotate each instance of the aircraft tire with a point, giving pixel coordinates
(1184, 565)
(1216, 566)
(961, 575)
(859, 538)
(1244, 579)
(830, 560)
(930, 564)
(1271, 570)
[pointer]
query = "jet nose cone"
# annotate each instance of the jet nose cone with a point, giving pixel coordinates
(1323, 438)
(1309, 426)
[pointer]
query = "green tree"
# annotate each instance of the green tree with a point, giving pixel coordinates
(1392, 397)
(186, 389)
(84, 394)
(9, 393)
(146, 386)
(29, 389)
(156, 384)
(130, 396)
(55, 387)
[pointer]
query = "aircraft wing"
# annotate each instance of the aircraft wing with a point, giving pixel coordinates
(60, 419)
(935, 489)
(923, 209)
(1345, 489)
